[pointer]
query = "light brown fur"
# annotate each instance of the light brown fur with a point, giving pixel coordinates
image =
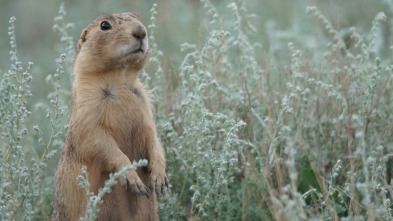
(110, 126)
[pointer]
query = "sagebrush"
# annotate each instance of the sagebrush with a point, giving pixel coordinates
(297, 126)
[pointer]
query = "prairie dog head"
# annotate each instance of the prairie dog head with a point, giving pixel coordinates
(113, 42)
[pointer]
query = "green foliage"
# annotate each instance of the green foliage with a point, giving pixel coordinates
(308, 179)
(26, 190)
(261, 119)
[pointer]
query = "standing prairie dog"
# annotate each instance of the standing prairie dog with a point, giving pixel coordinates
(111, 125)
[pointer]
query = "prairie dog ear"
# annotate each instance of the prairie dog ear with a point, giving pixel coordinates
(82, 39)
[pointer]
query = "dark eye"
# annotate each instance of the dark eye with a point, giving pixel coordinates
(105, 26)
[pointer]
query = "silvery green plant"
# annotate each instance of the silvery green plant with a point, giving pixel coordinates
(15, 174)
(26, 191)
(63, 28)
(299, 128)
(93, 201)
(354, 81)
(57, 109)
(202, 142)
(154, 64)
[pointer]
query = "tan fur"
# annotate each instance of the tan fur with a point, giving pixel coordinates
(110, 126)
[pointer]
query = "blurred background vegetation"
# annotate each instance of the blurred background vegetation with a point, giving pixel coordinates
(178, 22)
(262, 129)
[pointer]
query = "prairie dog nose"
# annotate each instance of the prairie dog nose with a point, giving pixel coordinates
(139, 33)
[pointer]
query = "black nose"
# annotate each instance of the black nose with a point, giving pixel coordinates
(139, 34)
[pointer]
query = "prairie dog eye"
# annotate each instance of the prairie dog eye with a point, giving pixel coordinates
(105, 26)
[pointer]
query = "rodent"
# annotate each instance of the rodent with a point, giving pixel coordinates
(111, 125)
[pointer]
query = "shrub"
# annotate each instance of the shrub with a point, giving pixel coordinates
(296, 128)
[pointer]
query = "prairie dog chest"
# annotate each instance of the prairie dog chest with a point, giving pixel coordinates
(118, 106)
(122, 101)
(109, 94)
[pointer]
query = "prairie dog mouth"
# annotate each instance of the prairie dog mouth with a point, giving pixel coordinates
(138, 51)
(131, 50)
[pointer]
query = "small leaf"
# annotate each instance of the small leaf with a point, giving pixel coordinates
(308, 179)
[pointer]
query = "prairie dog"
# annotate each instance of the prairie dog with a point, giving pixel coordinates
(110, 125)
